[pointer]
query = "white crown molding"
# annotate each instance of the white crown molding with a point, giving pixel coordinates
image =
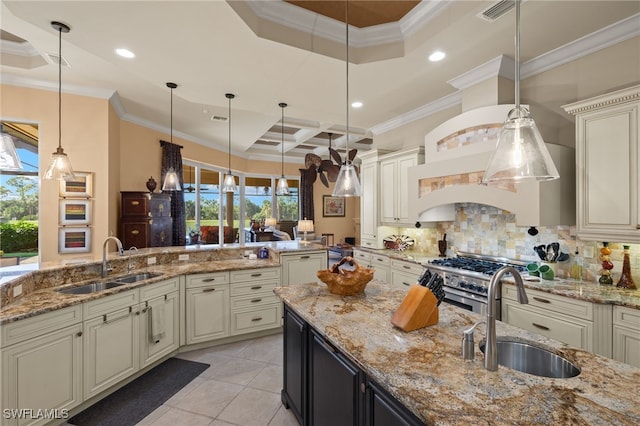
(18, 48)
(502, 65)
(93, 92)
(418, 113)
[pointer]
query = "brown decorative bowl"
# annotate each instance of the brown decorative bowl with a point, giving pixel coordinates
(345, 282)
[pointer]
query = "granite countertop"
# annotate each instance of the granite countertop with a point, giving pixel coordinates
(39, 293)
(424, 370)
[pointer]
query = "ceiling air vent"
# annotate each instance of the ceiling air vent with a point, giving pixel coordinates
(496, 10)
(56, 59)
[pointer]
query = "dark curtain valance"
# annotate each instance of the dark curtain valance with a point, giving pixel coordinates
(172, 159)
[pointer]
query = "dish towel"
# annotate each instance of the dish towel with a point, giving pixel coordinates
(156, 323)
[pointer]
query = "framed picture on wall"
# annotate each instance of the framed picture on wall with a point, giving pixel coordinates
(75, 212)
(332, 206)
(80, 187)
(74, 239)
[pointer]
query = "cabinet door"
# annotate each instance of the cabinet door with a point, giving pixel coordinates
(402, 197)
(44, 373)
(160, 232)
(334, 385)
(294, 366)
(607, 154)
(403, 280)
(157, 343)
(207, 313)
(381, 409)
(388, 191)
(111, 349)
(626, 345)
(369, 201)
(302, 268)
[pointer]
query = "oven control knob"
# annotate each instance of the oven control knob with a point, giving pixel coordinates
(462, 284)
(484, 290)
(471, 287)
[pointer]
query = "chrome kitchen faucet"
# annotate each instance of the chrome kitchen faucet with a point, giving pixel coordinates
(105, 267)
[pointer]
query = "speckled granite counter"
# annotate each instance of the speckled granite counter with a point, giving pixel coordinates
(38, 293)
(424, 370)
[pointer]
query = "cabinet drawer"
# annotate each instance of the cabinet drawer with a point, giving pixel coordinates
(253, 302)
(135, 204)
(380, 261)
(369, 242)
(257, 287)
(407, 267)
(626, 317)
(29, 328)
(255, 274)
(362, 257)
(110, 303)
(570, 330)
(203, 280)
(256, 319)
(159, 289)
(160, 205)
(552, 302)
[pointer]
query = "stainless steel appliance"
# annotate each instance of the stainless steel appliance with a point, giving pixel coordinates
(466, 279)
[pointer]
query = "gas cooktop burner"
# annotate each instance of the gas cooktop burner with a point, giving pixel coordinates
(486, 267)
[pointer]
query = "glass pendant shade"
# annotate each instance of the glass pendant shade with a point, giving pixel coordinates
(9, 159)
(283, 187)
(520, 153)
(171, 181)
(229, 183)
(59, 167)
(348, 182)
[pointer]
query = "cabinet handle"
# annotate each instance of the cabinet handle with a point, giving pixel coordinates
(541, 327)
(256, 319)
(208, 290)
(135, 203)
(638, 226)
(363, 387)
(257, 275)
(256, 300)
(208, 280)
(106, 321)
(304, 257)
(135, 232)
(406, 283)
(539, 299)
(379, 259)
(256, 287)
(406, 267)
(79, 334)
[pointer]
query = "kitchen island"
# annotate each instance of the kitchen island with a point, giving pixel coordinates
(424, 371)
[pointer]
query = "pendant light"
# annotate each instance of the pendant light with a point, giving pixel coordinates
(59, 166)
(9, 160)
(283, 186)
(190, 188)
(348, 183)
(520, 154)
(171, 181)
(229, 183)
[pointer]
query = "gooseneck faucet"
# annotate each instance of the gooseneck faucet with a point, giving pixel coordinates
(105, 266)
(491, 346)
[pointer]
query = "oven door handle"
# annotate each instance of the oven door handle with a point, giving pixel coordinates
(465, 294)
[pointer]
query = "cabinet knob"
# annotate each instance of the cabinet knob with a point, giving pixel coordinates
(79, 334)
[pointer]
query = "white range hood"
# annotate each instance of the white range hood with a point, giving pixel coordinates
(456, 155)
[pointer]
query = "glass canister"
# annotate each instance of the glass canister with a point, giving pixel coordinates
(626, 280)
(607, 266)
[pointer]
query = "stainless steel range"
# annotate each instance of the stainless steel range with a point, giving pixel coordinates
(467, 276)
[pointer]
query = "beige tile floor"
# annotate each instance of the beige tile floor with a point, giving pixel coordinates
(241, 387)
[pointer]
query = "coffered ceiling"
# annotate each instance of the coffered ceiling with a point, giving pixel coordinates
(267, 52)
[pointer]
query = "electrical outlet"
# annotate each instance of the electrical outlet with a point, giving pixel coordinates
(151, 261)
(183, 257)
(17, 290)
(587, 252)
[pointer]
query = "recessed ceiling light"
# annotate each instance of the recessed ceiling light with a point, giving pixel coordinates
(356, 104)
(436, 56)
(125, 53)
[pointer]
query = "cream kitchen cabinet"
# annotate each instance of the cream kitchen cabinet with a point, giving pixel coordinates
(369, 199)
(111, 350)
(42, 364)
(575, 322)
(378, 262)
(608, 162)
(404, 274)
(207, 307)
(626, 335)
(394, 193)
(254, 305)
(301, 268)
(159, 336)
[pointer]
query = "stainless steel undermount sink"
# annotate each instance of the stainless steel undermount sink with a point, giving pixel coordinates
(91, 287)
(134, 278)
(105, 285)
(532, 359)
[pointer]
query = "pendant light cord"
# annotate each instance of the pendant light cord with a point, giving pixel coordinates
(171, 118)
(518, 54)
(282, 140)
(59, 88)
(229, 152)
(346, 21)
